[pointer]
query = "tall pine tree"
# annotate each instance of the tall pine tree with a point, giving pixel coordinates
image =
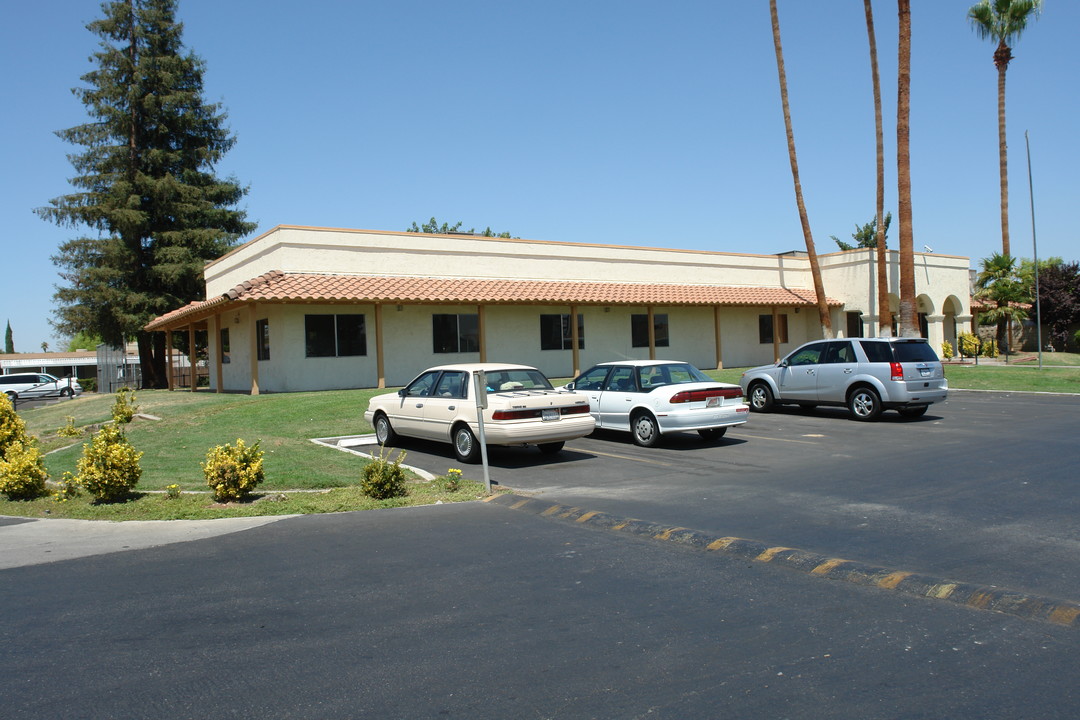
(145, 185)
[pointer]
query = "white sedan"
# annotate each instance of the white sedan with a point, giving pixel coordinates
(522, 409)
(650, 398)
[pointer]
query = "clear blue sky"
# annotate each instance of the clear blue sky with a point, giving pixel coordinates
(608, 121)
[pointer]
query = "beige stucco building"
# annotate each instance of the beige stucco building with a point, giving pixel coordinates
(301, 308)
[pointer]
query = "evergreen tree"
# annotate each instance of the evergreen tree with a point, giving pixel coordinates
(144, 184)
(9, 342)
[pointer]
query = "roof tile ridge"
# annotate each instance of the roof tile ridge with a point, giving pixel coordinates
(236, 291)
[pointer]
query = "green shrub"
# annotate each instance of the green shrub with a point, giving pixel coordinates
(124, 408)
(88, 384)
(233, 472)
(12, 427)
(22, 472)
(969, 344)
(382, 479)
(990, 348)
(109, 466)
(946, 350)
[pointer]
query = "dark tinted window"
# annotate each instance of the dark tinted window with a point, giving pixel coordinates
(877, 351)
(914, 352)
(809, 355)
(839, 351)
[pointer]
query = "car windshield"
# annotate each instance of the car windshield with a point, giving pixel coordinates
(516, 379)
(651, 376)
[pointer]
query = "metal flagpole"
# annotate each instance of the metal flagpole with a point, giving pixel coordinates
(1035, 250)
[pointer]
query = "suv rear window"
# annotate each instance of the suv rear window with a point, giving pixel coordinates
(910, 351)
(914, 352)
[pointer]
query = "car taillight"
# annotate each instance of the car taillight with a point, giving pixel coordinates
(897, 371)
(702, 395)
(538, 412)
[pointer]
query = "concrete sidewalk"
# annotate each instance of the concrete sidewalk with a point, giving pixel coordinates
(28, 541)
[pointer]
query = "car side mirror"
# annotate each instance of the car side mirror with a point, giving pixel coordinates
(570, 385)
(783, 363)
(401, 392)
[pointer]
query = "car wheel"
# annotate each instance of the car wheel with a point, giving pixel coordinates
(551, 448)
(66, 392)
(384, 431)
(12, 397)
(466, 447)
(711, 434)
(864, 404)
(914, 412)
(644, 429)
(761, 398)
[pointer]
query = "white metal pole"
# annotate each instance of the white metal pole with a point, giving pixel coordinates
(1035, 250)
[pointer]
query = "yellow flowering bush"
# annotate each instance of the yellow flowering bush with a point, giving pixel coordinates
(124, 407)
(969, 344)
(22, 472)
(109, 466)
(946, 350)
(69, 430)
(233, 472)
(12, 427)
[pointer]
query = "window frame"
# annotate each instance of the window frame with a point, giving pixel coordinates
(639, 324)
(262, 339)
(337, 328)
(566, 339)
(460, 340)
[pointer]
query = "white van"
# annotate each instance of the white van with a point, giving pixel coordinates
(25, 386)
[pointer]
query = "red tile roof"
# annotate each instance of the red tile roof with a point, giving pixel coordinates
(278, 287)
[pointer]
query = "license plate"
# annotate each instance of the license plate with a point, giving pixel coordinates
(549, 414)
(715, 401)
(926, 372)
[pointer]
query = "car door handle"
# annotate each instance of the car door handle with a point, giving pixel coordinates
(451, 407)
(419, 405)
(848, 371)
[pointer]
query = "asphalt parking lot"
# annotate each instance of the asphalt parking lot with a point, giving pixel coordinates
(980, 489)
(485, 610)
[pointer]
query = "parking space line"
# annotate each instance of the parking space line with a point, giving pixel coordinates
(628, 457)
(789, 440)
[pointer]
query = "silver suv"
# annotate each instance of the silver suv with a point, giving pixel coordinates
(867, 375)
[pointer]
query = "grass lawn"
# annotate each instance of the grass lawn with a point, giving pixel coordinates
(192, 423)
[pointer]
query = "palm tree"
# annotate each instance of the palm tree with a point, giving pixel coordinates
(815, 269)
(1000, 282)
(909, 326)
(884, 316)
(1003, 21)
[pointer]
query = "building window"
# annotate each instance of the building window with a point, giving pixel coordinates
(455, 333)
(765, 329)
(225, 357)
(854, 324)
(262, 337)
(335, 335)
(555, 332)
(639, 330)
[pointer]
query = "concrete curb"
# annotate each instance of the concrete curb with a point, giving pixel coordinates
(346, 443)
(979, 597)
